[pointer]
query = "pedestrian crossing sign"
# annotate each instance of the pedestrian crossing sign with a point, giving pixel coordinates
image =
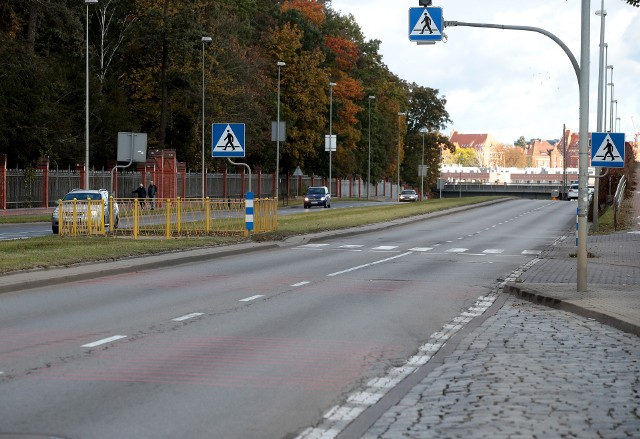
(607, 150)
(425, 24)
(227, 140)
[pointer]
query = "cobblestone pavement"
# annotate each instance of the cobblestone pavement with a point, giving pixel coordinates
(528, 372)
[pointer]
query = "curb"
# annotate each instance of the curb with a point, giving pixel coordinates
(531, 295)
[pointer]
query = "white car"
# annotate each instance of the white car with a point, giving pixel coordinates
(573, 192)
(83, 195)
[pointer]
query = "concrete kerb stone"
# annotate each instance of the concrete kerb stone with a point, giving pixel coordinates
(565, 297)
(23, 280)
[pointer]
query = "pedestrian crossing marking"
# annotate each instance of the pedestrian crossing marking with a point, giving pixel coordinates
(457, 250)
(494, 251)
(420, 249)
(385, 247)
(351, 246)
(531, 252)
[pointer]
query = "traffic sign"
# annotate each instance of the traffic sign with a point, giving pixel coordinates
(607, 150)
(227, 140)
(425, 24)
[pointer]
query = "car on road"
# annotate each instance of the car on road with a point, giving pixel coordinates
(317, 196)
(81, 195)
(408, 195)
(573, 192)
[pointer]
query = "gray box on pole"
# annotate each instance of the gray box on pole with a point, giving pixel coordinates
(283, 131)
(132, 147)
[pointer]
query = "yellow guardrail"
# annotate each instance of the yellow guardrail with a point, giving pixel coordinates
(176, 217)
(81, 217)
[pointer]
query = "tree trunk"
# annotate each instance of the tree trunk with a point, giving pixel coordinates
(32, 26)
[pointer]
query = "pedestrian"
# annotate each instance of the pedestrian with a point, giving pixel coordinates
(142, 194)
(152, 192)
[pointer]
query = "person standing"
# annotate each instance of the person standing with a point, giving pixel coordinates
(152, 192)
(142, 194)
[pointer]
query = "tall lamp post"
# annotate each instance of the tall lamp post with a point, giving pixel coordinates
(601, 104)
(423, 131)
(399, 143)
(280, 64)
(86, 107)
(605, 94)
(204, 40)
(369, 162)
(331, 85)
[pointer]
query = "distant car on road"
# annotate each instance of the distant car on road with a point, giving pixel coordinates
(408, 195)
(573, 192)
(317, 196)
(81, 214)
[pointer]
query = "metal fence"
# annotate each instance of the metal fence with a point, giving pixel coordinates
(165, 218)
(26, 188)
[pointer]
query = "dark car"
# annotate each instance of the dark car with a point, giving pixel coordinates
(317, 196)
(408, 195)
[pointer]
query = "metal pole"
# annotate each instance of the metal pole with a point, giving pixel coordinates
(331, 85)
(422, 168)
(611, 109)
(369, 161)
(399, 145)
(583, 191)
(279, 64)
(86, 107)
(204, 176)
(601, 73)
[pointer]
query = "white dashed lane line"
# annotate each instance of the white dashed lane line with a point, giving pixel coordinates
(249, 299)
(104, 341)
(188, 316)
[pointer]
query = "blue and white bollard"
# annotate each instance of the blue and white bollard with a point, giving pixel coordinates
(248, 215)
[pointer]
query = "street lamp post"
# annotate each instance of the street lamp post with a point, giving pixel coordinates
(604, 119)
(369, 161)
(204, 40)
(611, 108)
(331, 85)
(423, 131)
(601, 104)
(280, 64)
(399, 143)
(86, 107)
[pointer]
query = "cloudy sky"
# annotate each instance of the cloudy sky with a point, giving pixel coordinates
(511, 83)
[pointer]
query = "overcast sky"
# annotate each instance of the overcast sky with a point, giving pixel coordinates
(510, 83)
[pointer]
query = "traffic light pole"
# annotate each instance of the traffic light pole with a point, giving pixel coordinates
(583, 85)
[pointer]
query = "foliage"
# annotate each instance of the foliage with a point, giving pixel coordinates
(147, 61)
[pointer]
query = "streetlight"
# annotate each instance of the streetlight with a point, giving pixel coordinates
(280, 64)
(331, 85)
(204, 40)
(605, 92)
(399, 142)
(613, 126)
(611, 109)
(369, 162)
(86, 107)
(601, 104)
(423, 131)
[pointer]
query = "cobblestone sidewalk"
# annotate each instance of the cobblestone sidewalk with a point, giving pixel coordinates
(528, 372)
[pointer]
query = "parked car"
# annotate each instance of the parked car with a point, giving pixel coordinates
(317, 196)
(408, 195)
(573, 192)
(81, 212)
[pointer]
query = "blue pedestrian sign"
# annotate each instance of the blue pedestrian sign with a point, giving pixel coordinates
(607, 150)
(227, 140)
(425, 25)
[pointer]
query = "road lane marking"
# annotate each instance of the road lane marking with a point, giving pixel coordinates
(104, 341)
(299, 284)
(494, 251)
(369, 264)
(351, 246)
(385, 247)
(457, 250)
(249, 299)
(420, 249)
(531, 252)
(188, 316)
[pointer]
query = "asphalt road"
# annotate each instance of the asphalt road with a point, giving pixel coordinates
(258, 345)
